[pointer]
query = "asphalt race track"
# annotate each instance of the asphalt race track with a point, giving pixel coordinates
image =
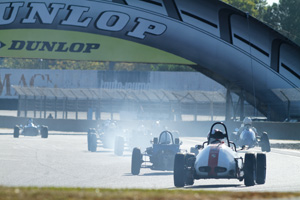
(63, 161)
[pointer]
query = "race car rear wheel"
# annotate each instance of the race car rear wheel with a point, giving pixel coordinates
(44, 132)
(179, 170)
(88, 138)
(177, 141)
(93, 143)
(265, 143)
(261, 167)
(249, 169)
(119, 146)
(136, 161)
(16, 131)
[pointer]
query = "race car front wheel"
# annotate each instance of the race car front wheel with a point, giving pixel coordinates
(93, 142)
(265, 143)
(249, 169)
(44, 132)
(136, 161)
(179, 170)
(16, 131)
(261, 167)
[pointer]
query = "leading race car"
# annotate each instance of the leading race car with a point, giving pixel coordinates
(218, 159)
(158, 157)
(30, 129)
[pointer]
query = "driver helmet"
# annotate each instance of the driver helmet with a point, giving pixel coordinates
(30, 121)
(165, 138)
(247, 121)
(217, 134)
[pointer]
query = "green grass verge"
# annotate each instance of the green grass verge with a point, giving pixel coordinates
(33, 193)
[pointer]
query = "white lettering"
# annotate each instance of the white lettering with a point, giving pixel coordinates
(75, 15)
(147, 26)
(128, 85)
(12, 14)
(112, 21)
(41, 10)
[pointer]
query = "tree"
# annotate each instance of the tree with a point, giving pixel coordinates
(285, 18)
(255, 8)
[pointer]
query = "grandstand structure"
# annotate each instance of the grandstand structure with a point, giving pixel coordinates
(128, 103)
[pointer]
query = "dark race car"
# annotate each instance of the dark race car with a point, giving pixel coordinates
(103, 136)
(138, 137)
(30, 129)
(158, 157)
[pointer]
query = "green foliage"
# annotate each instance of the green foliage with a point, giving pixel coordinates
(255, 8)
(164, 67)
(19, 63)
(285, 18)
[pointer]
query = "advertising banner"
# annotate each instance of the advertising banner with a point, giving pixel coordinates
(44, 78)
(79, 30)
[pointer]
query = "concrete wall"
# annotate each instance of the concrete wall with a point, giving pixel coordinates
(289, 131)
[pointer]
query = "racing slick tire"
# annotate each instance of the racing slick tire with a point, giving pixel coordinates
(265, 142)
(44, 132)
(136, 161)
(189, 160)
(88, 139)
(261, 166)
(249, 169)
(93, 142)
(16, 131)
(179, 170)
(119, 146)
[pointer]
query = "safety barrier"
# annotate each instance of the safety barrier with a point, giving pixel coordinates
(276, 130)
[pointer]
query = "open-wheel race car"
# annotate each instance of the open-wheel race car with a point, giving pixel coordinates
(249, 138)
(138, 137)
(158, 157)
(102, 136)
(218, 159)
(30, 129)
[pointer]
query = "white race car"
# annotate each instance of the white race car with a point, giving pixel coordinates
(218, 159)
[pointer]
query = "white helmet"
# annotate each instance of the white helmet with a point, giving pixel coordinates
(247, 121)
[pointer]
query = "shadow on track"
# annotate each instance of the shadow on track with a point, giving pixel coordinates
(151, 174)
(211, 186)
(158, 174)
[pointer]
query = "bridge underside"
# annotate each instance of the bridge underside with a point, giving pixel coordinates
(229, 46)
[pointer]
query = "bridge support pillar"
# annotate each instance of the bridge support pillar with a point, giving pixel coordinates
(228, 105)
(242, 102)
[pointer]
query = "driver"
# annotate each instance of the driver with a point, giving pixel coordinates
(30, 121)
(216, 136)
(246, 125)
